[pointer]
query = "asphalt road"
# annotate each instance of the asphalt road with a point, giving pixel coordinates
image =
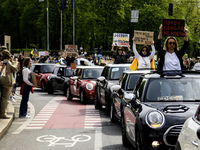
(57, 123)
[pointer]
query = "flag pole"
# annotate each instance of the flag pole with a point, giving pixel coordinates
(47, 26)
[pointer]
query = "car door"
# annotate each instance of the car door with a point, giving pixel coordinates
(54, 78)
(119, 95)
(102, 85)
(37, 74)
(60, 79)
(74, 81)
(131, 111)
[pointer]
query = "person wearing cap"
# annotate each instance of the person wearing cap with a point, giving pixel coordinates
(170, 55)
(120, 57)
(6, 81)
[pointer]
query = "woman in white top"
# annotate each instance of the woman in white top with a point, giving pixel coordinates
(26, 87)
(144, 58)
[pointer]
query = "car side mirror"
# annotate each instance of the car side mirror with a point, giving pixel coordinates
(115, 88)
(59, 74)
(101, 78)
(198, 132)
(130, 97)
(36, 71)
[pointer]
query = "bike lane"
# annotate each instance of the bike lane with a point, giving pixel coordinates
(61, 113)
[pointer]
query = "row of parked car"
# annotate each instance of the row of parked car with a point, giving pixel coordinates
(152, 107)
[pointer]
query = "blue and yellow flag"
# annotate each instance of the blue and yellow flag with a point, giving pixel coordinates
(134, 64)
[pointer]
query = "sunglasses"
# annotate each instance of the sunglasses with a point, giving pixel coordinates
(170, 43)
(120, 49)
(144, 50)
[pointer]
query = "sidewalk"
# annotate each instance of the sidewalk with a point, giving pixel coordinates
(5, 123)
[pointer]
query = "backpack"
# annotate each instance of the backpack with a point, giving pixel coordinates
(19, 78)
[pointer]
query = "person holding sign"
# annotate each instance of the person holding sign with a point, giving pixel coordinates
(170, 56)
(144, 58)
(120, 57)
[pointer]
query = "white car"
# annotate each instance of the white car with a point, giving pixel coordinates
(78, 61)
(83, 62)
(189, 137)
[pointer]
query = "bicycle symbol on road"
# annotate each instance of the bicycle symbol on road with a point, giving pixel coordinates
(54, 140)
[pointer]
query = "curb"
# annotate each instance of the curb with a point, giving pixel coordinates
(6, 123)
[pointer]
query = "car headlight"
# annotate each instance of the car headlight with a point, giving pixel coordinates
(89, 86)
(155, 119)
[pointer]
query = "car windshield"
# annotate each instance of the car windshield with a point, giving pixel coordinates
(132, 81)
(116, 72)
(68, 72)
(92, 73)
(173, 90)
(47, 68)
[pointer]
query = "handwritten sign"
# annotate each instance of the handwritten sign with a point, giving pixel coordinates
(121, 39)
(143, 37)
(173, 27)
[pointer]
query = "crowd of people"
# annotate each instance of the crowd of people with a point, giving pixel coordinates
(169, 58)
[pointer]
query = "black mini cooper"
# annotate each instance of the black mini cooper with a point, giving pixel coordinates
(153, 116)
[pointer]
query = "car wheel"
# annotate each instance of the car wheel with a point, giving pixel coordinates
(113, 118)
(50, 88)
(68, 94)
(43, 86)
(97, 104)
(83, 97)
(125, 140)
(139, 144)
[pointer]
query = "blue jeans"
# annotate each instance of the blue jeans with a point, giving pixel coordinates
(24, 101)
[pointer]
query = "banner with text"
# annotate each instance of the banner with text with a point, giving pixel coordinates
(121, 39)
(173, 27)
(143, 37)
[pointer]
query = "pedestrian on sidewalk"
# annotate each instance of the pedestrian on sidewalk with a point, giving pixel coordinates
(26, 87)
(6, 81)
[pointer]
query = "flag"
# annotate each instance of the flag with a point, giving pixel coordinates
(63, 4)
(134, 65)
(73, 4)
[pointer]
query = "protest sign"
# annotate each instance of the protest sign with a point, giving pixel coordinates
(173, 27)
(121, 39)
(143, 37)
(72, 49)
(26, 53)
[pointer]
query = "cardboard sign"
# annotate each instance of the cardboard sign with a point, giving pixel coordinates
(73, 65)
(173, 27)
(26, 53)
(143, 37)
(121, 39)
(33, 79)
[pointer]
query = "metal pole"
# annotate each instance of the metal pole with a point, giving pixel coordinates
(73, 23)
(61, 32)
(47, 26)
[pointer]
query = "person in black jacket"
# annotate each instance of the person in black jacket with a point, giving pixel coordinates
(120, 57)
(170, 56)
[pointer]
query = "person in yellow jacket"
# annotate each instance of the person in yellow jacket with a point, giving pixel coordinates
(144, 59)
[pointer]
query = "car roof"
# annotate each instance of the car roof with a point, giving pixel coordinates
(188, 74)
(118, 65)
(137, 71)
(85, 67)
(45, 64)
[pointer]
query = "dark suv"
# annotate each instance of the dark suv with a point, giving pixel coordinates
(153, 116)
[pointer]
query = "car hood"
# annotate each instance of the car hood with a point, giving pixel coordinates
(89, 81)
(178, 111)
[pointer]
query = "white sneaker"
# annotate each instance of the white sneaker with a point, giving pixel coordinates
(12, 99)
